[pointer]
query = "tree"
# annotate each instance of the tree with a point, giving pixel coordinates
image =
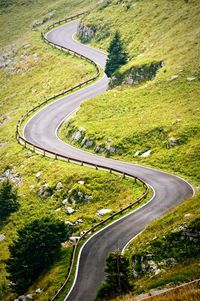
(117, 56)
(117, 279)
(8, 200)
(38, 245)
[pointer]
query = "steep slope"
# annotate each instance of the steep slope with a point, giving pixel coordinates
(160, 115)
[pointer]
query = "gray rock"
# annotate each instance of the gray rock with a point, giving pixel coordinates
(172, 142)
(190, 79)
(146, 154)
(38, 290)
(59, 185)
(13, 177)
(85, 32)
(69, 210)
(38, 174)
(137, 153)
(2, 237)
(88, 143)
(29, 296)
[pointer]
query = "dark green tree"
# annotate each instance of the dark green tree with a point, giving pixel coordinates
(117, 56)
(118, 274)
(8, 200)
(38, 245)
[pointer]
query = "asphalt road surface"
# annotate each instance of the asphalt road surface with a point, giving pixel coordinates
(170, 190)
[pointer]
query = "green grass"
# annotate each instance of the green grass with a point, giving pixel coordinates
(33, 80)
(144, 117)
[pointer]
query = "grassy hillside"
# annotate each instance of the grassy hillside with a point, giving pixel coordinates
(31, 71)
(159, 115)
(168, 257)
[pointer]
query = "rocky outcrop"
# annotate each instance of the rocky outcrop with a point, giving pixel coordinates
(12, 176)
(85, 33)
(136, 74)
(167, 251)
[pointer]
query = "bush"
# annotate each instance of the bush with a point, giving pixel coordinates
(38, 245)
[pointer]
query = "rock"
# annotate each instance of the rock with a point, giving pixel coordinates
(81, 182)
(85, 32)
(69, 210)
(35, 57)
(2, 237)
(38, 174)
(174, 77)
(157, 271)
(137, 153)
(65, 201)
(146, 154)
(74, 238)
(191, 78)
(187, 215)
(77, 135)
(172, 142)
(111, 149)
(29, 296)
(69, 223)
(79, 221)
(102, 212)
(38, 290)
(59, 185)
(58, 209)
(25, 46)
(13, 177)
(88, 143)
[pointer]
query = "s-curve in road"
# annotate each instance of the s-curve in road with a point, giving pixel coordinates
(170, 190)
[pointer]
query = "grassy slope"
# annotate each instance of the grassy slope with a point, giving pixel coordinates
(53, 72)
(154, 111)
(159, 109)
(185, 215)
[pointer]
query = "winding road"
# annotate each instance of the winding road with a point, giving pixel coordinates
(170, 190)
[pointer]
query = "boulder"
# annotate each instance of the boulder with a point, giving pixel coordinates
(137, 153)
(38, 290)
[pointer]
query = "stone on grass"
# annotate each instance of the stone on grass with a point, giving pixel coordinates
(137, 153)
(38, 290)
(174, 77)
(38, 174)
(102, 212)
(65, 201)
(172, 142)
(59, 186)
(79, 221)
(2, 237)
(190, 79)
(74, 238)
(29, 296)
(81, 182)
(146, 154)
(69, 210)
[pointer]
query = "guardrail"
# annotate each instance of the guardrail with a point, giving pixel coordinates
(45, 152)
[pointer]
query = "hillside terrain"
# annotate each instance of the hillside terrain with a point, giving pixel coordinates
(147, 110)
(31, 71)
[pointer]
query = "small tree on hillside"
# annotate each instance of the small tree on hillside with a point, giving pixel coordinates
(8, 200)
(117, 56)
(117, 279)
(38, 245)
